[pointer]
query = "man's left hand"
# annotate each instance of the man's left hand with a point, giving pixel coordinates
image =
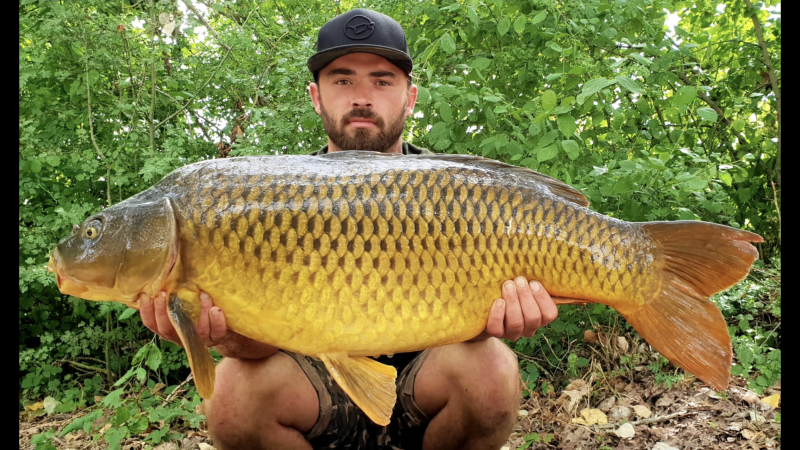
(523, 309)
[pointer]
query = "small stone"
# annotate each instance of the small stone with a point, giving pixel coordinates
(622, 343)
(663, 446)
(625, 431)
(619, 413)
(523, 413)
(642, 411)
(607, 404)
(204, 446)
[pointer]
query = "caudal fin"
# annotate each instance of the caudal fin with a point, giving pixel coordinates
(698, 259)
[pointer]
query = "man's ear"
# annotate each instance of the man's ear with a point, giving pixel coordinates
(313, 91)
(412, 100)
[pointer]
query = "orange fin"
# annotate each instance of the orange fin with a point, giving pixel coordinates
(183, 310)
(369, 383)
(697, 259)
(570, 301)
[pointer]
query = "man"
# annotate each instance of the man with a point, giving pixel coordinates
(460, 396)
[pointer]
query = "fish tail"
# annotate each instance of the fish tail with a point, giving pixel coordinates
(697, 260)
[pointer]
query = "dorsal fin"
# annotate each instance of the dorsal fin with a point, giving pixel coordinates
(557, 187)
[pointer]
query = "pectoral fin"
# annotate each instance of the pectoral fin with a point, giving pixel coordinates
(369, 383)
(184, 310)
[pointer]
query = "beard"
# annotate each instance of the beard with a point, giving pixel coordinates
(388, 133)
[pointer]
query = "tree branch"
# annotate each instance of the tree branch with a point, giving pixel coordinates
(224, 58)
(773, 81)
(91, 132)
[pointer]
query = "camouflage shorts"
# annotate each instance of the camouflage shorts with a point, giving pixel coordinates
(341, 424)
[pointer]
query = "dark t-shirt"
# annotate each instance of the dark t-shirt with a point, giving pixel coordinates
(408, 149)
(398, 360)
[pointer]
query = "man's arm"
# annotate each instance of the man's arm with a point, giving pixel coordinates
(212, 328)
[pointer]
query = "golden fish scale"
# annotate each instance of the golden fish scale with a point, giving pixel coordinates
(392, 262)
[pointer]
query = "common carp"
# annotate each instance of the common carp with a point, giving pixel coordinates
(355, 254)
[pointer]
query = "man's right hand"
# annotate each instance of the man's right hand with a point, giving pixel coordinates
(211, 327)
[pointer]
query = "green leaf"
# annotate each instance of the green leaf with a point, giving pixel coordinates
(553, 76)
(685, 95)
(481, 63)
(549, 100)
(154, 358)
(591, 87)
(539, 17)
(641, 59)
(113, 398)
(36, 166)
(577, 70)
(630, 85)
(548, 138)
(445, 112)
(555, 47)
(448, 45)
(127, 313)
(566, 124)
(122, 416)
(571, 148)
(519, 23)
(503, 26)
(473, 16)
(546, 153)
(83, 423)
(738, 125)
(707, 113)
(423, 95)
(726, 178)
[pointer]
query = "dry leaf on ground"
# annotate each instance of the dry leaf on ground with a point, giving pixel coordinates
(625, 431)
(642, 411)
(591, 416)
(772, 400)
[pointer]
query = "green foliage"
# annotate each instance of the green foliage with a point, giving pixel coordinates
(530, 438)
(753, 309)
(649, 124)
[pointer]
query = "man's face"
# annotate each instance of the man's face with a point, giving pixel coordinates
(364, 101)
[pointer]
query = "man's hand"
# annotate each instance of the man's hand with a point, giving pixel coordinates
(211, 327)
(523, 309)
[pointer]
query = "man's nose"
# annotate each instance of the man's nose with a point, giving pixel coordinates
(361, 97)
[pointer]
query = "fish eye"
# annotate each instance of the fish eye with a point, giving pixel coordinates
(92, 229)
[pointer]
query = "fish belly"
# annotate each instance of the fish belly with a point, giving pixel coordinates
(385, 259)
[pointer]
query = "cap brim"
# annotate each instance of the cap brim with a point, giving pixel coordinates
(322, 59)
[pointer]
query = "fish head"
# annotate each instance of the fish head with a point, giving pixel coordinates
(125, 250)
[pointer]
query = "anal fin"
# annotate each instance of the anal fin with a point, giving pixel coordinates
(184, 310)
(370, 384)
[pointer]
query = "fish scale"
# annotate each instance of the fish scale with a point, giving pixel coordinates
(355, 254)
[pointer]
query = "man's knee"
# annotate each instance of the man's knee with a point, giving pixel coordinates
(494, 379)
(252, 397)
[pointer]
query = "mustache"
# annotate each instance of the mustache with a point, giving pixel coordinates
(365, 113)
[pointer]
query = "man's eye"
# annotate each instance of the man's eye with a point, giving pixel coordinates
(342, 82)
(384, 83)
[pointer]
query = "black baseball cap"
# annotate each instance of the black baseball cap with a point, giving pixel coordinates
(361, 31)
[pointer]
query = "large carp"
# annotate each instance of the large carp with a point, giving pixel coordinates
(353, 254)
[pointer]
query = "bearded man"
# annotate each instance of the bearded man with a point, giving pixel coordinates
(459, 396)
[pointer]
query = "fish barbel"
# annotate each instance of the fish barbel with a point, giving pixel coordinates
(353, 254)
